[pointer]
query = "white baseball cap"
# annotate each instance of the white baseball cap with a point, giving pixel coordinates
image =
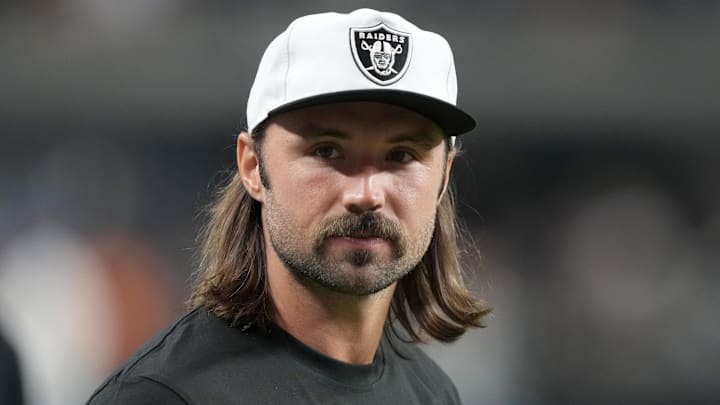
(366, 55)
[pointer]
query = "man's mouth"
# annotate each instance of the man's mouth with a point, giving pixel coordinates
(363, 232)
(362, 235)
(360, 241)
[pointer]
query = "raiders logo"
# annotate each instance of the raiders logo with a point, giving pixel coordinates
(381, 53)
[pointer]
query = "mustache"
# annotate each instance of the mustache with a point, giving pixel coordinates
(365, 225)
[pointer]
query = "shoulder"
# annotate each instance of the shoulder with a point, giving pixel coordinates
(136, 390)
(420, 371)
(179, 362)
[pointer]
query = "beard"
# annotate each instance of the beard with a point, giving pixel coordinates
(352, 271)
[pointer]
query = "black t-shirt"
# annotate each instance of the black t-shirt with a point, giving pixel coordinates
(199, 359)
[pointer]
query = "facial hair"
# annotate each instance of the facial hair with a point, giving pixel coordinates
(358, 272)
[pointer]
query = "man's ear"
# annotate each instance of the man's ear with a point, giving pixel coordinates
(446, 175)
(249, 166)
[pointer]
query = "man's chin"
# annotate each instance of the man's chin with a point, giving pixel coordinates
(357, 287)
(351, 279)
(359, 257)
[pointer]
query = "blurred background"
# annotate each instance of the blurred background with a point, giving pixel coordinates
(590, 186)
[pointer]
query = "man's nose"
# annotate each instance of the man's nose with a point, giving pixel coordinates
(364, 192)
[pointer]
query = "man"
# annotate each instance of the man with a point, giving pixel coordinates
(11, 390)
(337, 231)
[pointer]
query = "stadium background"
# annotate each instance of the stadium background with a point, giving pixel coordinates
(591, 185)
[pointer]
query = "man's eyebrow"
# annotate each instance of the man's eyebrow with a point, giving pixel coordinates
(426, 140)
(314, 131)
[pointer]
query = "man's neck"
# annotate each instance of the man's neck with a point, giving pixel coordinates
(344, 327)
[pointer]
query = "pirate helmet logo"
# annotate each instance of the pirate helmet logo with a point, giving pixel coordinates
(381, 53)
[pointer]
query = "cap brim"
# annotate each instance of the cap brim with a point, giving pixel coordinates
(452, 120)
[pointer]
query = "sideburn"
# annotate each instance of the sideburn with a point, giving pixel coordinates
(448, 148)
(258, 136)
(264, 179)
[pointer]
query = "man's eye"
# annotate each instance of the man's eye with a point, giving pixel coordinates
(326, 152)
(400, 156)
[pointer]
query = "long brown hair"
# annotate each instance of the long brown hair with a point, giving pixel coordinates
(231, 281)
